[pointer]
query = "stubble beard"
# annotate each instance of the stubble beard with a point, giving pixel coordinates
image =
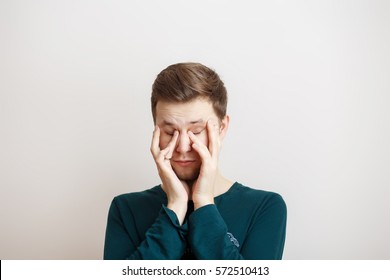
(189, 176)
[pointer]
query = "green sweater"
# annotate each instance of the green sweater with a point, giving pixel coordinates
(243, 223)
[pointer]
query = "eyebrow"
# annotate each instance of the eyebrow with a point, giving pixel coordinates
(167, 123)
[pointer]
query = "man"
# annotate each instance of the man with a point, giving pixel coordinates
(195, 213)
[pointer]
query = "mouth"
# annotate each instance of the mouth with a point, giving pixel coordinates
(184, 162)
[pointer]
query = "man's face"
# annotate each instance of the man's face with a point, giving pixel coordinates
(184, 117)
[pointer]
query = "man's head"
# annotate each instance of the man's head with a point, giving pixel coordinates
(185, 97)
(184, 82)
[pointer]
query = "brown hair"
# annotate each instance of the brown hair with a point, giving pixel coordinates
(184, 82)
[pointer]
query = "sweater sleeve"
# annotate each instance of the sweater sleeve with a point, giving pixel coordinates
(208, 235)
(165, 239)
(209, 239)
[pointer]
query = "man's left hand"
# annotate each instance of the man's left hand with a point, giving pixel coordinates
(203, 189)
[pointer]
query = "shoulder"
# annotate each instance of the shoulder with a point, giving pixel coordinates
(249, 192)
(136, 210)
(140, 199)
(262, 198)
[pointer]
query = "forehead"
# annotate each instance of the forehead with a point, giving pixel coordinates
(180, 113)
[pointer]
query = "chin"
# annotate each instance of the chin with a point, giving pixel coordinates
(187, 176)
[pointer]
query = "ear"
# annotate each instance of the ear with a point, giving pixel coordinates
(223, 128)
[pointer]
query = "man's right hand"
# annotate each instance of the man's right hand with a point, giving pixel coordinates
(177, 191)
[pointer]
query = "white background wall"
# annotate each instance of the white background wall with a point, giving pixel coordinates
(308, 82)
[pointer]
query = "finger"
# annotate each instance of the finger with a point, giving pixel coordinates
(213, 135)
(199, 147)
(155, 148)
(168, 151)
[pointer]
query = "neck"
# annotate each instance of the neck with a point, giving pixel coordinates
(221, 184)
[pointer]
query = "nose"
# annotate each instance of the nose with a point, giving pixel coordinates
(183, 143)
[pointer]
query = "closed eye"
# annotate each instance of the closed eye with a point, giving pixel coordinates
(196, 132)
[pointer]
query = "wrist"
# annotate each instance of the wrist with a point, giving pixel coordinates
(203, 202)
(180, 209)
